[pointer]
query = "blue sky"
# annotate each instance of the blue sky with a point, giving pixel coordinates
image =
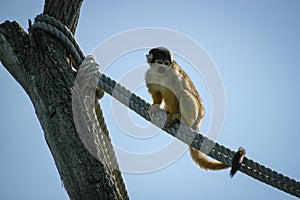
(255, 47)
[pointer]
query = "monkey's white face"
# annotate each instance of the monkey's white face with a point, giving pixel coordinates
(161, 67)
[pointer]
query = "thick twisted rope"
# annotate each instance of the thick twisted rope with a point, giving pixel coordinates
(60, 31)
(185, 134)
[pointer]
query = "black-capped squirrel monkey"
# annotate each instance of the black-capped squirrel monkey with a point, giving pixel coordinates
(168, 83)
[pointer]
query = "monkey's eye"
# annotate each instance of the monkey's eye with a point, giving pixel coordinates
(167, 63)
(159, 62)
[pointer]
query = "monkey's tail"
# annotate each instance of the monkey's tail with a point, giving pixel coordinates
(203, 162)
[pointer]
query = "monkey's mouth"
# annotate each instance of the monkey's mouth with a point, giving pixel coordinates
(161, 69)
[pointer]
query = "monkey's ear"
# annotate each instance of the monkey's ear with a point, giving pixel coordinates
(149, 57)
(171, 56)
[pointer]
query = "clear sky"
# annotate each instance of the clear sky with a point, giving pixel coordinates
(255, 47)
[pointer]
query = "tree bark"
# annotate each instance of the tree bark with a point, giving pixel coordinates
(40, 65)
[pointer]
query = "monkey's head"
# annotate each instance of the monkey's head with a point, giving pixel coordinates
(160, 59)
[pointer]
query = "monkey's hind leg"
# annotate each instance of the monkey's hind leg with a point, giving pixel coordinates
(189, 108)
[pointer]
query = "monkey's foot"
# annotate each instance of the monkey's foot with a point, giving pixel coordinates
(153, 109)
(175, 118)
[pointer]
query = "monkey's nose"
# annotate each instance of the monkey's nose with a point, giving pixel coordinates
(161, 69)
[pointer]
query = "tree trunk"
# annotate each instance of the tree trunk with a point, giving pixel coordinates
(40, 64)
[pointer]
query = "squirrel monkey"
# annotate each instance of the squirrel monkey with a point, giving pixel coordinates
(168, 83)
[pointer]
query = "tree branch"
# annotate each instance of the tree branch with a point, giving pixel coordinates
(63, 11)
(40, 64)
(12, 38)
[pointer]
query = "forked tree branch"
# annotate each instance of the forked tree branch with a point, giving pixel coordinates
(40, 64)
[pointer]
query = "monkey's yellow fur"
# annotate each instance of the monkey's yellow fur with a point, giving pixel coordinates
(167, 82)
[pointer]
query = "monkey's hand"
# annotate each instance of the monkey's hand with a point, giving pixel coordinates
(157, 115)
(153, 109)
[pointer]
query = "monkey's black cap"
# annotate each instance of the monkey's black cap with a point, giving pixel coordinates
(160, 53)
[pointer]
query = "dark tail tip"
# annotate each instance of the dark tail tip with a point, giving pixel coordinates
(237, 161)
